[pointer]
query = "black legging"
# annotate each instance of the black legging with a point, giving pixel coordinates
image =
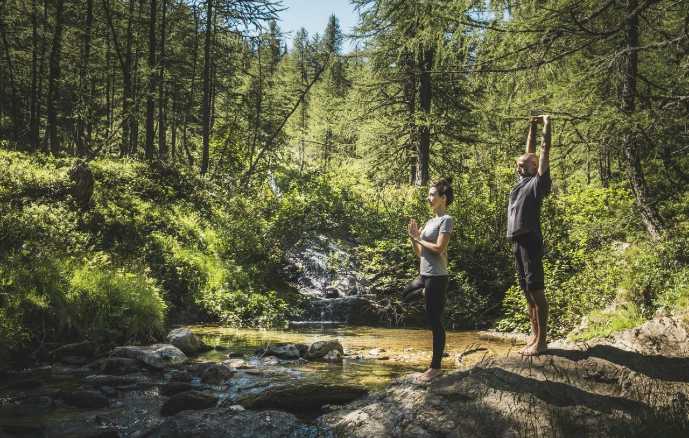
(436, 288)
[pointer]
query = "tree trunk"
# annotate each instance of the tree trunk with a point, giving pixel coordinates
(206, 112)
(630, 140)
(425, 94)
(85, 99)
(150, 104)
(410, 103)
(35, 103)
(162, 129)
(54, 78)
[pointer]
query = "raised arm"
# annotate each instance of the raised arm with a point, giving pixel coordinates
(531, 138)
(544, 162)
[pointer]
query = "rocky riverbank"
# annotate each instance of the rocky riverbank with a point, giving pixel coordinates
(634, 384)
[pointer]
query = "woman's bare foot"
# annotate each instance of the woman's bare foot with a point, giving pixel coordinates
(428, 375)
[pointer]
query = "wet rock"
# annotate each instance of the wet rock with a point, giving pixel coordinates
(172, 388)
(24, 384)
(180, 376)
(107, 380)
(216, 374)
(74, 360)
(302, 397)
(188, 400)
(227, 422)
(333, 356)
(158, 356)
(108, 391)
(84, 349)
(22, 430)
(84, 399)
(270, 361)
(185, 340)
(237, 364)
(118, 365)
(283, 351)
(319, 349)
(234, 354)
(332, 292)
(303, 348)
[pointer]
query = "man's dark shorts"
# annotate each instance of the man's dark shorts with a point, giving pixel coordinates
(528, 257)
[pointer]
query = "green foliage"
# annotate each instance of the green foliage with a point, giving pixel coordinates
(113, 304)
(602, 323)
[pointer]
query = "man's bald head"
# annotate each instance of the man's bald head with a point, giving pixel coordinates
(527, 164)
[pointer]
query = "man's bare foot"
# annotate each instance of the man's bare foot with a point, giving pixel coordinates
(529, 343)
(535, 350)
(428, 375)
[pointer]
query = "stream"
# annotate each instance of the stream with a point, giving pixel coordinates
(32, 402)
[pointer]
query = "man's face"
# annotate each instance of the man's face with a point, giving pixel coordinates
(527, 166)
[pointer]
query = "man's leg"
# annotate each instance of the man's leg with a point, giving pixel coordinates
(541, 310)
(520, 257)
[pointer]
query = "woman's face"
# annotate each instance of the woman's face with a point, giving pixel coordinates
(434, 200)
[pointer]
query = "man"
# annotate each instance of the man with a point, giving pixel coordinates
(524, 229)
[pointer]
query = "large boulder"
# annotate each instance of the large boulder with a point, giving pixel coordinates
(84, 399)
(158, 356)
(185, 340)
(321, 349)
(85, 349)
(216, 374)
(230, 422)
(283, 351)
(188, 400)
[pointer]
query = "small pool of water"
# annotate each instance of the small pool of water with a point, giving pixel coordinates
(405, 350)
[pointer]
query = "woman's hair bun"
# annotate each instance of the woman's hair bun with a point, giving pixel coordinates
(444, 188)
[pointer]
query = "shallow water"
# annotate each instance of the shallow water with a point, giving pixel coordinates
(405, 350)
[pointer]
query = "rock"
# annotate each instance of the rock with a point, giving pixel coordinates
(375, 352)
(24, 384)
(119, 366)
(158, 356)
(85, 349)
(82, 184)
(106, 380)
(283, 351)
(332, 292)
(662, 335)
(188, 400)
(172, 388)
(234, 354)
(333, 356)
(180, 376)
(300, 398)
(108, 391)
(227, 422)
(237, 364)
(319, 349)
(74, 360)
(303, 348)
(186, 341)
(216, 374)
(84, 399)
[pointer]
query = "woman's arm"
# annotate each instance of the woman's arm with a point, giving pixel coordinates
(438, 247)
(414, 235)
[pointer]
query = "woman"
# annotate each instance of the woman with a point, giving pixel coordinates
(430, 245)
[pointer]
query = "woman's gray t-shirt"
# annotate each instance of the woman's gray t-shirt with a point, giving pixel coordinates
(434, 264)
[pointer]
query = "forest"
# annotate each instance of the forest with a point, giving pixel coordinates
(161, 157)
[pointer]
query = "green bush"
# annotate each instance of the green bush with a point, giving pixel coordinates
(113, 305)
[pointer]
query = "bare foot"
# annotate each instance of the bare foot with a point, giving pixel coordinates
(428, 375)
(529, 343)
(535, 350)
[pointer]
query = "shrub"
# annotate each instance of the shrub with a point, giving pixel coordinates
(113, 305)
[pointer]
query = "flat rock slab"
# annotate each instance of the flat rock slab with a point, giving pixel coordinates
(84, 399)
(158, 356)
(188, 400)
(302, 397)
(230, 422)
